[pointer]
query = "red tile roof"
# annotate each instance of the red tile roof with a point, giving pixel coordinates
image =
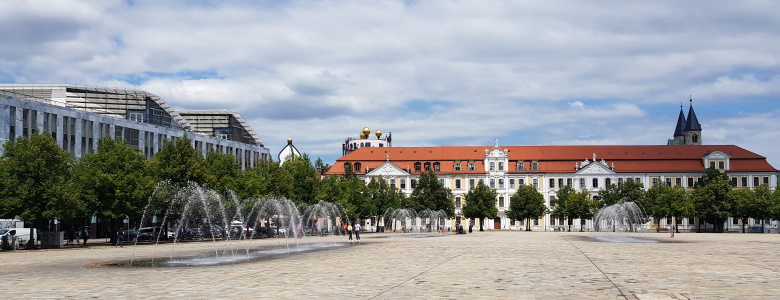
(560, 159)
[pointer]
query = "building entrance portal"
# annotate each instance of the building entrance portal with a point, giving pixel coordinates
(497, 223)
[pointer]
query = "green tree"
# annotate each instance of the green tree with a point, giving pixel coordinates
(710, 198)
(267, 178)
(614, 193)
(179, 163)
(224, 170)
(663, 201)
(382, 196)
(764, 202)
(480, 204)
(572, 205)
(321, 166)
(744, 205)
(34, 182)
(113, 182)
(431, 194)
(526, 204)
(304, 179)
(349, 192)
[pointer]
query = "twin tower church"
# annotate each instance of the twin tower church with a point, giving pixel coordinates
(681, 162)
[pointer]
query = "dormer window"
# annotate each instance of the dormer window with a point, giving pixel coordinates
(492, 166)
(534, 166)
(520, 166)
(417, 166)
(457, 166)
(427, 166)
(357, 167)
(436, 167)
(471, 166)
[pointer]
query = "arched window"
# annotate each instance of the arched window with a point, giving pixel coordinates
(417, 166)
(427, 166)
(436, 167)
(695, 138)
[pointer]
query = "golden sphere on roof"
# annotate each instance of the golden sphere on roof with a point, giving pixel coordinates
(378, 133)
(366, 131)
(289, 140)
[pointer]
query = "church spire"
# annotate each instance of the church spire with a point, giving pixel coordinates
(680, 129)
(692, 124)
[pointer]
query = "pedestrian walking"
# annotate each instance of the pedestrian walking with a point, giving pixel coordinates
(120, 238)
(671, 229)
(357, 231)
(84, 235)
(349, 231)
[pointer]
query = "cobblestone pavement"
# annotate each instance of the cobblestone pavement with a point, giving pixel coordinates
(482, 265)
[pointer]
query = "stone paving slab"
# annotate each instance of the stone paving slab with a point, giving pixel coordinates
(482, 265)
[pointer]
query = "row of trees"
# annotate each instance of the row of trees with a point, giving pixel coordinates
(40, 181)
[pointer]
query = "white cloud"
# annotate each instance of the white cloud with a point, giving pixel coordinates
(563, 72)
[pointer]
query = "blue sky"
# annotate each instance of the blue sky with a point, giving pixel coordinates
(431, 72)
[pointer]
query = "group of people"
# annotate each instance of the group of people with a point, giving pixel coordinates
(349, 228)
(77, 235)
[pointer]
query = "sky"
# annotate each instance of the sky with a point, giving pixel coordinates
(434, 73)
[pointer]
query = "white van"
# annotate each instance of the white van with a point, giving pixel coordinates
(22, 234)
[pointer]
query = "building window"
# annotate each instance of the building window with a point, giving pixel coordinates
(766, 179)
(436, 167)
(457, 183)
(620, 181)
(403, 183)
(500, 183)
(392, 182)
(357, 167)
(414, 183)
(655, 181)
(536, 183)
(492, 166)
(521, 181)
(458, 202)
(457, 166)
(471, 166)
(568, 181)
(722, 165)
(595, 182)
(417, 166)
(560, 182)
(607, 182)
(500, 166)
(492, 183)
(733, 180)
(471, 183)
(520, 166)
(637, 180)
(12, 129)
(427, 166)
(511, 183)
(690, 181)
(441, 181)
(501, 201)
(712, 165)
(582, 183)
(535, 166)
(678, 181)
(756, 181)
(552, 182)
(744, 181)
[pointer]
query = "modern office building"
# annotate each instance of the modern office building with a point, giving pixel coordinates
(78, 116)
(548, 168)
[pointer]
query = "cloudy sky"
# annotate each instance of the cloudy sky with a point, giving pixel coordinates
(431, 72)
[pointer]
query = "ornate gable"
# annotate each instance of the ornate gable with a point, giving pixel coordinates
(388, 169)
(594, 167)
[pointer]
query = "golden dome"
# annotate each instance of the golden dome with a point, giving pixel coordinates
(378, 133)
(289, 140)
(365, 132)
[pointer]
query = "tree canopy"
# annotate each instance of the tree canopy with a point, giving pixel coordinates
(710, 198)
(431, 194)
(527, 203)
(614, 193)
(480, 203)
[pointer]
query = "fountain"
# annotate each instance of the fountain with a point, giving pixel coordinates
(407, 220)
(621, 223)
(229, 224)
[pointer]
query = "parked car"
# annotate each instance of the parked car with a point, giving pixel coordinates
(149, 233)
(216, 231)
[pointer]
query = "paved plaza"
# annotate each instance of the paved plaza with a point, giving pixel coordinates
(482, 265)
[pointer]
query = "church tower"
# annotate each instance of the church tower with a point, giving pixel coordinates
(688, 130)
(692, 128)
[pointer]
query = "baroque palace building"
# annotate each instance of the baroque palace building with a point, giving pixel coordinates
(78, 116)
(682, 162)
